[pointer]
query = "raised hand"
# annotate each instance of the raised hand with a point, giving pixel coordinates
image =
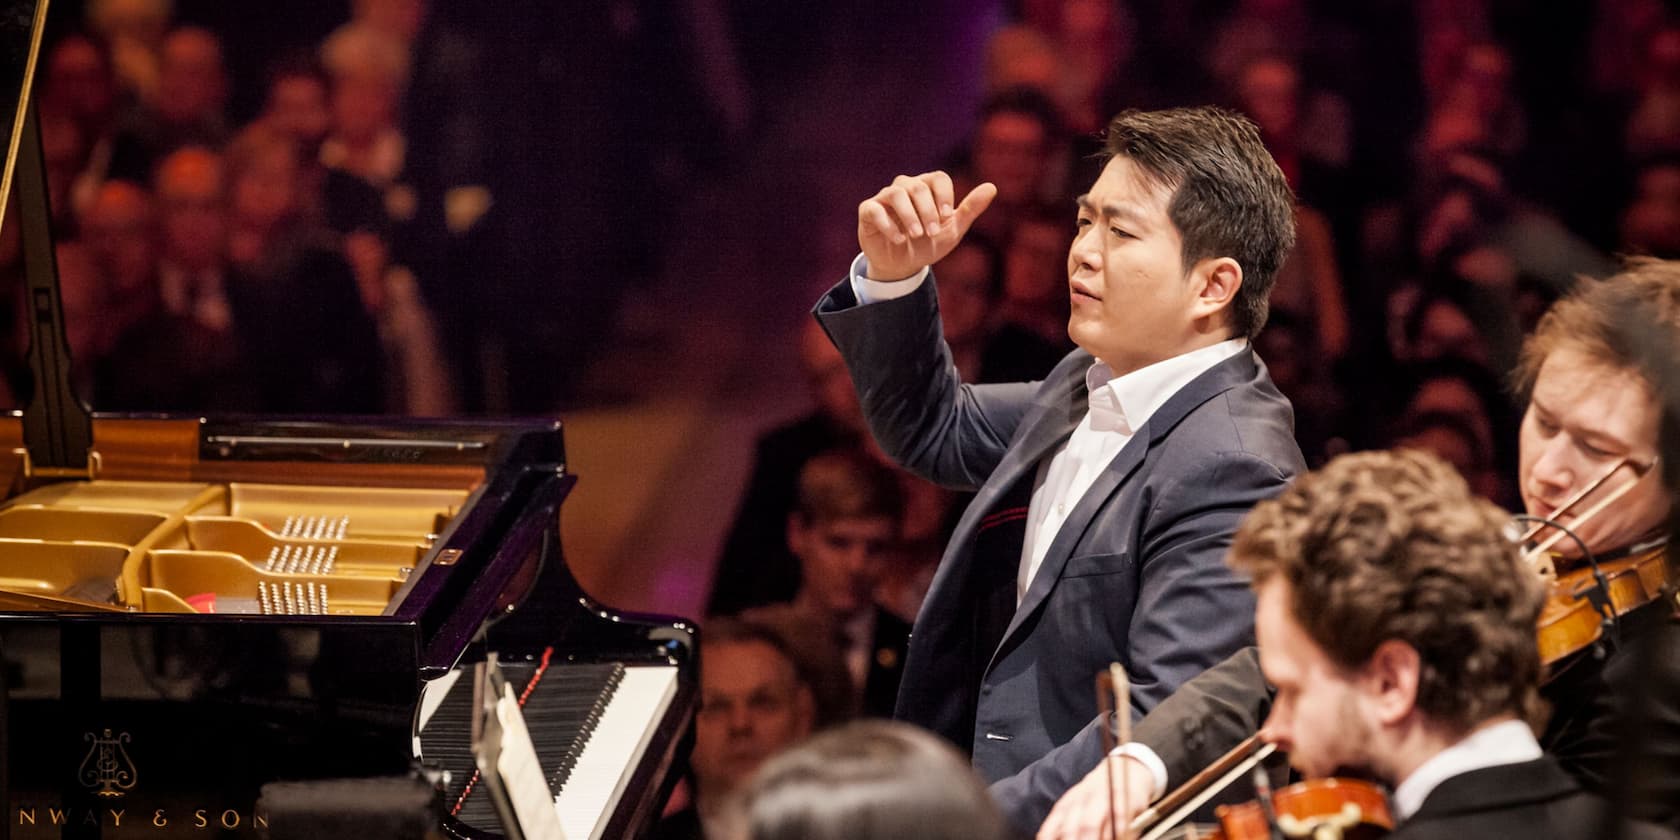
(915, 222)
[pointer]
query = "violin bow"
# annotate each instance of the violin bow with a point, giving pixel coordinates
(1639, 471)
(1114, 696)
(1201, 787)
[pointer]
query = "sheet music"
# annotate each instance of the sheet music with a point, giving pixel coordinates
(522, 774)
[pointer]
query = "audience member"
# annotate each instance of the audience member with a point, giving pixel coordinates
(871, 780)
(369, 71)
(297, 105)
(186, 109)
(1650, 224)
(191, 189)
(1453, 439)
(756, 568)
(754, 701)
(77, 82)
(1017, 146)
(1653, 125)
(844, 529)
(120, 232)
(307, 339)
(1021, 56)
(176, 348)
(134, 30)
(1035, 289)
(984, 347)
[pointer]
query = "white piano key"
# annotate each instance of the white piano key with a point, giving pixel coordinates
(621, 737)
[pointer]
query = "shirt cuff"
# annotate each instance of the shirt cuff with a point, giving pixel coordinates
(1147, 757)
(868, 291)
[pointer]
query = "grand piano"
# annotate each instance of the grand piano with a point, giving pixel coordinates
(192, 607)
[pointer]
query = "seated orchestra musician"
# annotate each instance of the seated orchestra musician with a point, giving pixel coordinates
(1614, 716)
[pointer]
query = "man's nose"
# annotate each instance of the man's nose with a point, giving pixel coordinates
(740, 719)
(1084, 253)
(1275, 730)
(1554, 471)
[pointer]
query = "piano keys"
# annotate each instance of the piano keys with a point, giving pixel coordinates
(591, 724)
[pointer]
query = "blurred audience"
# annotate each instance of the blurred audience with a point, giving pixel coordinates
(306, 337)
(870, 780)
(1035, 289)
(186, 108)
(1017, 146)
(844, 530)
(984, 346)
(120, 230)
(754, 702)
(756, 568)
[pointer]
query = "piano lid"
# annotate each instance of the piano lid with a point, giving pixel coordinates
(57, 427)
(20, 44)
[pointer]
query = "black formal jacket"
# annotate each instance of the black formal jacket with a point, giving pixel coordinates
(1531, 800)
(886, 664)
(1136, 573)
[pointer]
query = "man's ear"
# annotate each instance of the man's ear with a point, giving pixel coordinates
(1390, 680)
(1216, 281)
(798, 534)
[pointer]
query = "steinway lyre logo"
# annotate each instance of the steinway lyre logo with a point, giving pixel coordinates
(107, 765)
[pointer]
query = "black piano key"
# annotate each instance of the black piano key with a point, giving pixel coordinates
(561, 714)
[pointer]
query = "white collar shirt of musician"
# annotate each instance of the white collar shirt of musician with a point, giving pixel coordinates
(1508, 742)
(1118, 407)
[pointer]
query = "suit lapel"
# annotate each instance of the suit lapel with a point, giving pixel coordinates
(1060, 408)
(1211, 383)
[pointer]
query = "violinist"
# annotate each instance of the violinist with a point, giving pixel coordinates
(1588, 371)
(1396, 623)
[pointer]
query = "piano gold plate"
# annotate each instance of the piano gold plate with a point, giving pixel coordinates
(239, 547)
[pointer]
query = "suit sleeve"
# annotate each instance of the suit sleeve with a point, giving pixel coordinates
(1197, 724)
(1207, 716)
(921, 414)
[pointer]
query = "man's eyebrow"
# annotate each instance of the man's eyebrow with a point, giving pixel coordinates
(1109, 210)
(1594, 437)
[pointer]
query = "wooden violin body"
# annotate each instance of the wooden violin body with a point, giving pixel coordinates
(1319, 809)
(1571, 622)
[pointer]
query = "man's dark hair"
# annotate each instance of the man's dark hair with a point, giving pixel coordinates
(1380, 546)
(1229, 198)
(847, 483)
(1028, 101)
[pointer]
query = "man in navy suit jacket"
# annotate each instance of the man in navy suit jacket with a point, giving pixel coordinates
(1108, 492)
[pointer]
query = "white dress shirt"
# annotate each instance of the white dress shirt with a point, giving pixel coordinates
(1509, 742)
(1118, 407)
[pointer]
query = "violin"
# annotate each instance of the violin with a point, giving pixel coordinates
(1321, 809)
(1585, 600)
(1582, 602)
